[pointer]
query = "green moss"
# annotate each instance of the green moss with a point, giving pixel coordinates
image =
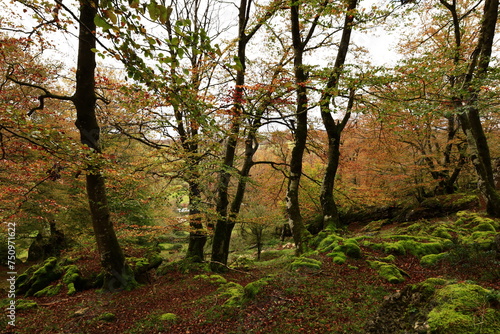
(23, 304)
(71, 277)
(243, 263)
(416, 248)
(432, 259)
(474, 220)
(463, 308)
(329, 243)
(485, 240)
(234, 292)
(350, 247)
(304, 262)
(169, 317)
(315, 242)
(138, 264)
(214, 279)
(388, 271)
(442, 232)
(107, 316)
(375, 225)
(397, 247)
(389, 259)
(253, 288)
(49, 291)
(38, 279)
(485, 226)
(338, 257)
(429, 286)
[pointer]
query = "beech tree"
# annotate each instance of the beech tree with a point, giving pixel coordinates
(117, 274)
(468, 99)
(226, 213)
(452, 50)
(331, 219)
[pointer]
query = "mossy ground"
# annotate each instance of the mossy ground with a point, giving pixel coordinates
(280, 293)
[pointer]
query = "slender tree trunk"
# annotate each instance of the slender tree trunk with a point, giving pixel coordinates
(331, 219)
(300, 134)
(226, 216)
(225, 223)
(197, 236)
(118, 275)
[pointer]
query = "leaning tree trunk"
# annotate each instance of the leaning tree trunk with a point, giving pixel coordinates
(117, 274)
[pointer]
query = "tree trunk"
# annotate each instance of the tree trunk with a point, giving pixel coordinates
(300, 134)
(226, 218)
(331, 219)
(197, 236)
(469, 112)
(117, 273)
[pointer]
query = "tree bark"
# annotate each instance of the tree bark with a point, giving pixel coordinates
(300, 134)
(469, 109)
(117, 273)
(225, 225)
(197, 235)
(331, 219)
(227, 216)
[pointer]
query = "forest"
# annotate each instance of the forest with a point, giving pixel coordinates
(249, 166)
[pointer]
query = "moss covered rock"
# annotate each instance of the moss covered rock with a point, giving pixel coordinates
(432, 259)
(464, 308)
(253, 288)
(338, 257)
(72, 278)
(484, 240)
(49, 291)
(305, 262)
(350, 247)
(439, 306)
(233, 292)
(415, 246)
(328, 243)
(214, 279)
(388, 271)
(35, 280)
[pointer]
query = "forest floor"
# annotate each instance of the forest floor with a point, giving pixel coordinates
(331, 299)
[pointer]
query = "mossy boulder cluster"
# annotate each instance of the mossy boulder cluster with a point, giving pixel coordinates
(235, 294)
(338, 248)
(44, 279)
(439, 306)
(388, 271)
(431, 242)
(38, 278)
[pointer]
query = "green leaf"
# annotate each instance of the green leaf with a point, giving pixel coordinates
(111, 16)
(238, 66)
(153, 11)
(100, 22)
(134, 4)
(164, 13)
